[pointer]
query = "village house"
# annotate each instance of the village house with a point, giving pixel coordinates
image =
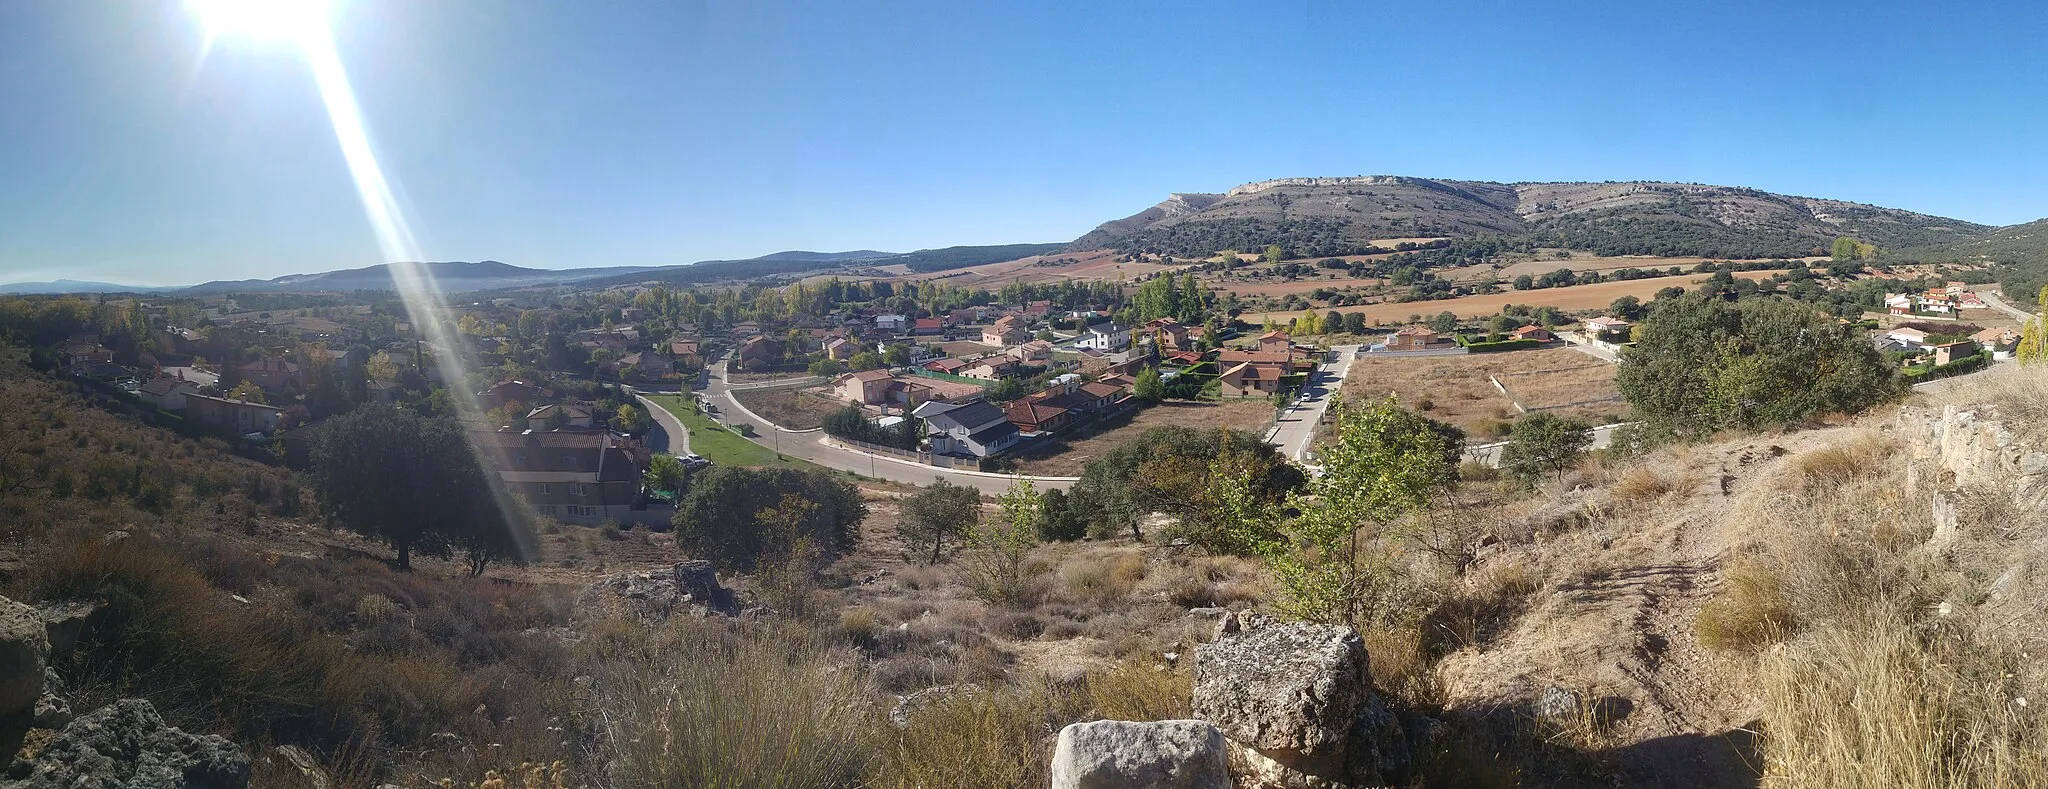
(1275, 341)
(1280, 360)
(167, 392)
(1106, 337)
(892, 322)
(1954, 351)
(560, 415)
(841, 349)
(511, 391)
(1419, 338)
(2000, 342)
(584, 477)
(1037, 416)
(238, 416)
(1911, 338)
(973, 428)
(1031, 352)
(648, 365)
(948, 365)
(686, 354)
(1536, 333)
(879, 388)
(926, 327)
(384, 392)
(1003, 332)
(1246, 379)
(1037, 310)
(183, 340)
(274, 374)
(1607, 329)
(991, 369)
(758, 353)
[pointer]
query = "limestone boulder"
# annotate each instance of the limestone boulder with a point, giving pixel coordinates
(1176, 754)
(1295, 703)
(24, 653)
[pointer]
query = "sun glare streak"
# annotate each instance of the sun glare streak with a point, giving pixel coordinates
(304, 24)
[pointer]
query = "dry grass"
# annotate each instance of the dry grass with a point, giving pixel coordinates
(791, 408)
(1883, 670)
(1871, 703)
(2016, 393)
(1750, 612)
(1649, 485)
(1569, 383)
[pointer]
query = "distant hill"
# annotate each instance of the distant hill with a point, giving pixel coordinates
(450, 277)
(1328, 216)
(73, 286)
(925, 260)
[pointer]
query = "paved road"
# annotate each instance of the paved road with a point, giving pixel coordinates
(668, 434)
(1489, 454)
(1995, 302)
(809, 446)
(1296, 428)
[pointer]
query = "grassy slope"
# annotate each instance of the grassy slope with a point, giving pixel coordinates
(722, 446)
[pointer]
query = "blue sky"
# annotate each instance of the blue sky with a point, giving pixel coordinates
(590, 133)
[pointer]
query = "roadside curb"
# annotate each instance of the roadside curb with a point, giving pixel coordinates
(827, 441)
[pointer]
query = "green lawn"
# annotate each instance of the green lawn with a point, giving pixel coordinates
(722, 446)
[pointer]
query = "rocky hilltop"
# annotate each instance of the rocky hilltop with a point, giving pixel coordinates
(1326, 216)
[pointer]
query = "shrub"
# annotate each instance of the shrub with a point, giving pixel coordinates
(764, 708)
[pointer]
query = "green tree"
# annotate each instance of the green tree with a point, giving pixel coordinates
(865, 360)
(1060, 521)
(665, 473)
(896, 355)
(995, 553)
(1626, 308)
(937, 515)
(2033, 347)
(1354, 323)
(1700, 365)
(1118, 489)
(1444, 323)
(1544, 442)
(1148, 387)
(721, 518)
(1275, 254)
(413, 483)
(1384, 465)
(630, 419)
(1524, 282)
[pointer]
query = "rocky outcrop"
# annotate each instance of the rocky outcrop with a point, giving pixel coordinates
(24, 652)
(1178, 754)
(1956, 447)
(127, 746)
(691, 588)
(1296, 706)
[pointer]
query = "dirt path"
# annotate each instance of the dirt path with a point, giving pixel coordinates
(1617, 626)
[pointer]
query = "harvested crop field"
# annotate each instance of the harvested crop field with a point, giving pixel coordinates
(796, 409)
(1456, 389)
(1577, 297)
(1060, 457)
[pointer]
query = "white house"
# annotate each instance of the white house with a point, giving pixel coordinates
(892, 322)
(1912, 338)
(1106, 337)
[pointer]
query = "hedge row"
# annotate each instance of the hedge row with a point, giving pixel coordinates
(1480, 346)
(1957, 367)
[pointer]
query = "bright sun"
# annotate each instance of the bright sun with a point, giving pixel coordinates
(270, 20)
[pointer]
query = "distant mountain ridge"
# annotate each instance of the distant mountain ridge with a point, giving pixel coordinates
(1327, 216)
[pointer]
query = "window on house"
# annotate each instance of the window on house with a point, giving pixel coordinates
(544, 489)
(580, 490)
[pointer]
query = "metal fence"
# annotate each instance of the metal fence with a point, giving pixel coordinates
(912, 455)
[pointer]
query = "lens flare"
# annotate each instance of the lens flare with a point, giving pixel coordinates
(304, 24)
